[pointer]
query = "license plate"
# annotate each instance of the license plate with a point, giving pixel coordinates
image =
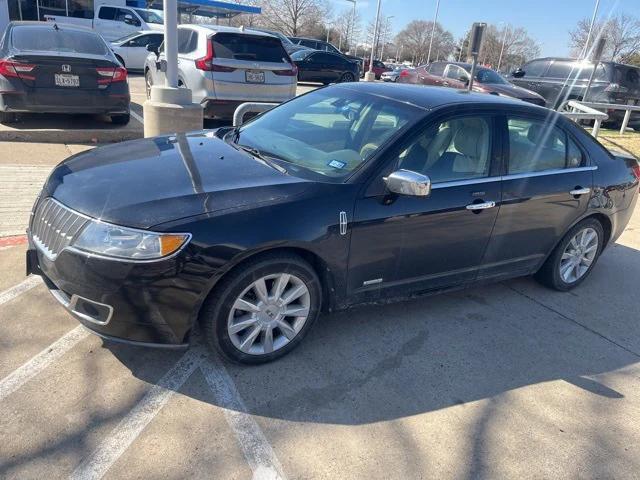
(254, 77)
(64, 80)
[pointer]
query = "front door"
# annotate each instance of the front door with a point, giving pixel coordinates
(546, 188)
(402, 244)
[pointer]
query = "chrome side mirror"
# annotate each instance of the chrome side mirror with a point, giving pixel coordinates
(406, 182)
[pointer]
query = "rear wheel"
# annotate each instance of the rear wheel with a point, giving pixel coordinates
(573, 259)
(347, 77)
(120, 119)
(262, 310)
(7, 117)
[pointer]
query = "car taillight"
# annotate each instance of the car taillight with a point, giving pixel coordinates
(636, 171)
(206, 63)
(287, 73)
(16, 69)
(107, 75)
(404, 73)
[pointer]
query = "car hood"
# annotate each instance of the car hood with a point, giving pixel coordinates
(511, 90)
(147, 182)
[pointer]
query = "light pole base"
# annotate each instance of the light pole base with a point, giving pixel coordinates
(369, 77)
(171, 110)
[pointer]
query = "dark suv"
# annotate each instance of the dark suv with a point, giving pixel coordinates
(560, 79)
(316, 44)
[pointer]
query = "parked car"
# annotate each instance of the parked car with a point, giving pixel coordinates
(351, 193)
(288, 45)
(227, 66)
(133, 49)
(392, 75)
(316, 44)
(561, 79)
(324, 67)
(378, 68)
(47, 68)
(457, 75)
(115, 21)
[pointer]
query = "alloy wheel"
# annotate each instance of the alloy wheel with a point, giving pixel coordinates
(578, 255)
(268, 314)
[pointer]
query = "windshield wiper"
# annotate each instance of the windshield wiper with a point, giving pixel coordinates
(262, 156)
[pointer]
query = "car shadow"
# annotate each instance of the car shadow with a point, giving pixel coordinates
(384, 362)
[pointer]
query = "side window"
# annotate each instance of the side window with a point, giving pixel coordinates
(122, 14)
(536, 68)
(155, 40)
(187, 40)
(454, 72)
(437, 69)
(140, 41)
(535, 146)
(559, 69)
(455, 149)
(107, 13)
(308, 43)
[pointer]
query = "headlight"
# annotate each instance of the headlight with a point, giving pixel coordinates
(120, 242)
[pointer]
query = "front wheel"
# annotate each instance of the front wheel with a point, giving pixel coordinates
(573, 259)
(262, 310)
(347, 77)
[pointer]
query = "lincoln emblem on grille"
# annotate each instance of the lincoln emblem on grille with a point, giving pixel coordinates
(66, 68)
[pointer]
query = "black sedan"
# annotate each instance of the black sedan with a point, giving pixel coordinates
(324, 67)
(351, 193)
(47, 68)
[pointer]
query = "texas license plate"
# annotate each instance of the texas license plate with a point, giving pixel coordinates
(254, 77)
(64, 80)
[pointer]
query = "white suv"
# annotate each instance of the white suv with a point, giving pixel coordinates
(226, 66)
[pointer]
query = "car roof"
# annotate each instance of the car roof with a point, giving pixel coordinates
(225, 29)
(430, 98)
(48, 25)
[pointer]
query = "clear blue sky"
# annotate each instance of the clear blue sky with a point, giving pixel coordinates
(548, 21)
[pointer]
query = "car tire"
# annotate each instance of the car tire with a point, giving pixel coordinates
(347, 77)
(557, 272)
(120, 119)
(148, 83)
(220, 313)
(8, 117)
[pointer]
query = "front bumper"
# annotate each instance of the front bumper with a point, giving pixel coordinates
(149, 304)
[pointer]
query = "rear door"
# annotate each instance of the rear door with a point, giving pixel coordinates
(452, 76)
(135, 50)
(546, 187)
(105, 23)
(533, 77)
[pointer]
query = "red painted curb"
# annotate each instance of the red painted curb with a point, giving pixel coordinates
(15, 240)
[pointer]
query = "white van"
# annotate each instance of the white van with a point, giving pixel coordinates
(114, 21)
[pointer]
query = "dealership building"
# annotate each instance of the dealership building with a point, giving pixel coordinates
(37, 9)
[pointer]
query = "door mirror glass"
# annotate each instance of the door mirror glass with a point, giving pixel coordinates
(406, 182)
(129, 20)
(519, 73)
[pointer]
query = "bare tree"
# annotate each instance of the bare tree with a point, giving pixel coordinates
(621, 32)
(346, 29)
(295, 17)
(415, 40)
(508, 47)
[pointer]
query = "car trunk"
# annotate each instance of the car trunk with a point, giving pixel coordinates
(63, 73)
(628, 80)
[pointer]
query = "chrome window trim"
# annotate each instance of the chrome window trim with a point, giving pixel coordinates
(514, 176)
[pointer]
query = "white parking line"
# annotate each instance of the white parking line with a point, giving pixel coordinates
(24, 286)
(37, 364)
(137, 117)
(255, 447)
(124, 434)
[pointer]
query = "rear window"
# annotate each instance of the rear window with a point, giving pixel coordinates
(249, 47)
(64, 41)
(628, 76)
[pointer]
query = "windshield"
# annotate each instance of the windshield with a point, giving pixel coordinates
(149, 16)
(484, 75)
(46, 39)
(328, 133)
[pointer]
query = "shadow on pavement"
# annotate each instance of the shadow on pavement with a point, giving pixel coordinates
(386, 362)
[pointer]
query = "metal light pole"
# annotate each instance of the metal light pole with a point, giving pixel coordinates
(171, 42)
(593, 21)
(370, 76)
(504, 39)
(353, 22)
(433, 29)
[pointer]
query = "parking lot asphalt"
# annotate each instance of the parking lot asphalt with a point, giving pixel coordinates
(508, 380)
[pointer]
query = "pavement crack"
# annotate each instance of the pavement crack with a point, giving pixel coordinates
(566, 317)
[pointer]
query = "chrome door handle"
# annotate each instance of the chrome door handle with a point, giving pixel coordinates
(481, 206)
(580, 191)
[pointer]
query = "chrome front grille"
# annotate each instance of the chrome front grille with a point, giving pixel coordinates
(53, 226)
